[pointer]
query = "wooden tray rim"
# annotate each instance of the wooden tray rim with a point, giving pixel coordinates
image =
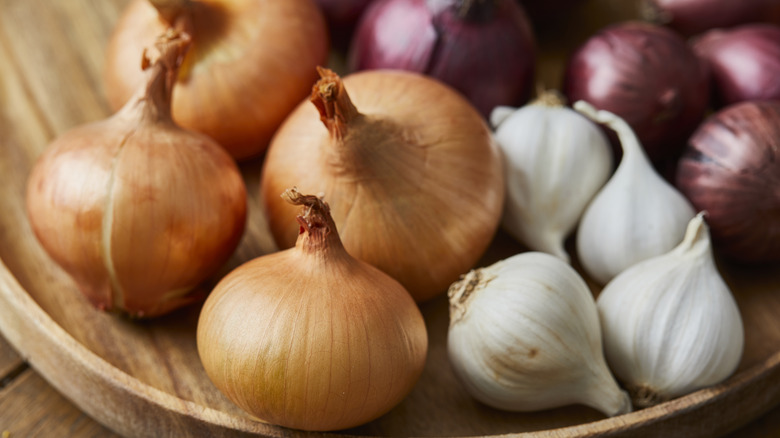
(24, 320)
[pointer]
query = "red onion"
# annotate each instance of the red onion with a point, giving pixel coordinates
(483, 48)
(731, 169)
(695, 16)
(745, 62)
(647, 75)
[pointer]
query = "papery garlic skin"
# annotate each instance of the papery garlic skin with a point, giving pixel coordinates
(524, 335)
(555, 161)
(670, 323)
(635, 216)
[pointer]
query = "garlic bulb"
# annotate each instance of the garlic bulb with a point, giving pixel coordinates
(635, 216)
(670, 323)
(524, 335)
(555, 161)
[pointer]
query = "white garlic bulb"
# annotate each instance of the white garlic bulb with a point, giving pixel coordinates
(670, 323)
(524, 335)
(635, 216)
(555, 160)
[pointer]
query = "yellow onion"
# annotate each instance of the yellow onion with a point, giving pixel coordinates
(311, 338)
(137, 210)
(251, 63)
(411, 170)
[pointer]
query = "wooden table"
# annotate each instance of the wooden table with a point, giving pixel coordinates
(34, 35)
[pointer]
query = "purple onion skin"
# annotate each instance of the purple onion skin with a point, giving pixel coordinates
(744, 61)
(691, 17)
(731, 170)
(646, 74)
(488, 56)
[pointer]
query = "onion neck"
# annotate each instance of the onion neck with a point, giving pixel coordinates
(336, 109)
(317, 233)
(650, 12)
(152, 101)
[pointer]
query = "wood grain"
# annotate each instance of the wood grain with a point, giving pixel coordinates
(29, 407)
(11, 364)
(145, 379)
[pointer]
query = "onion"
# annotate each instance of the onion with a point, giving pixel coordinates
(731, 170)
(414, 178)
(648, 76)
(745, 62)
(251, 63)
(691, 17)
(137, 210)
(483, 48)
(311, 338)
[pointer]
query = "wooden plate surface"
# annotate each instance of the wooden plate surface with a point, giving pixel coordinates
(145, 378)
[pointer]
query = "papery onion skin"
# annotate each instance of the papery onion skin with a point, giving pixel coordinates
(744, 61)
(137, 210)
(647, 75)
(311, 338)
(490, 57)
(415, 181)
(691, 17)
(731, 170)
(251, 63)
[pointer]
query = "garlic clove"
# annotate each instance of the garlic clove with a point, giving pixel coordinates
(500, 114)
(635, 216)
(670, 323)
(555, 161)
(524, 335)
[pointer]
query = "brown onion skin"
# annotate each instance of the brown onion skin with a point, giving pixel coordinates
(171, 202)
(234, 88)
(731, 170)
(416, 185)
(744, 61)
(489, 56)
(647, 75)
(691, 17)
(311, 338)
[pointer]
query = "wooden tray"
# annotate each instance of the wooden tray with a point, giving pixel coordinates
(145, 378)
